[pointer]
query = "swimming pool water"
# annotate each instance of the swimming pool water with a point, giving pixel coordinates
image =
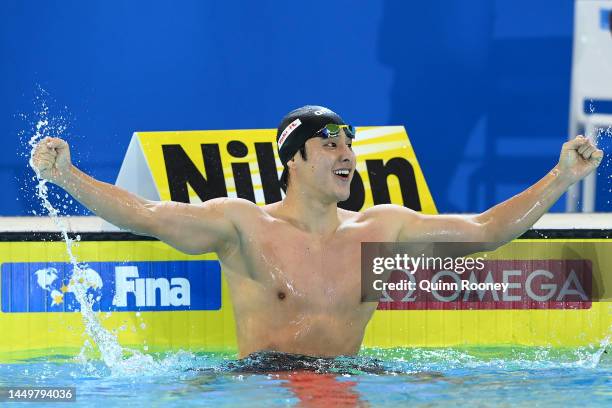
(497, 376)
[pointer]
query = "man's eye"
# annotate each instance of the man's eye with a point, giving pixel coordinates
(330, 144)
(350, 146)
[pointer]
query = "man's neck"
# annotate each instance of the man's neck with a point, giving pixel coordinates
(312, 215)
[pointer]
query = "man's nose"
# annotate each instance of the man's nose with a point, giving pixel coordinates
(346, 154)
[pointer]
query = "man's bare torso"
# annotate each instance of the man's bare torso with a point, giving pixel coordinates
(298, 292)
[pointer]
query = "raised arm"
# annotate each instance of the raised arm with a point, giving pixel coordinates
(194, 229)
(505, 221)
(510, 219)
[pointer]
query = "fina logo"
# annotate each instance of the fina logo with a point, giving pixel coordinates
(34, 287)
(86, 277)
(176, 292)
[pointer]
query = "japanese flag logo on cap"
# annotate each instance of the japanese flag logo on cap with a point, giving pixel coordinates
(290, 128)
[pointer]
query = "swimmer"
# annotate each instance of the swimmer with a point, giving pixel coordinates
(293, 267)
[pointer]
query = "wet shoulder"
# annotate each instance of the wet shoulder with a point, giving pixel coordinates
(351, 220)
(390, 217)
(241, 210)
(390, 213)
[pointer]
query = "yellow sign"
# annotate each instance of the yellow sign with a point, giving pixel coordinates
(196, 166)
(25, 334)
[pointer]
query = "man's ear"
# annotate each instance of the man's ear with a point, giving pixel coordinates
(291, 163)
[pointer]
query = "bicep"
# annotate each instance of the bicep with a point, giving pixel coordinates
(468, 234)
(194, 228)
(407, 225)
(442, 228)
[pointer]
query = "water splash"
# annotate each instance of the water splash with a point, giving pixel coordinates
(407, 360)
(119, 360)
(41, 124)
(603, 347)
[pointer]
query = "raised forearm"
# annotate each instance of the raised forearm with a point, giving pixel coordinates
(513, 217)
(114, 204)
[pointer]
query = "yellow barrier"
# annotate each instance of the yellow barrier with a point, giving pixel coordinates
(213, 330)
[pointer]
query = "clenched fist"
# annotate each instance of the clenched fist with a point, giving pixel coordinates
(51, 159)
(579, 157)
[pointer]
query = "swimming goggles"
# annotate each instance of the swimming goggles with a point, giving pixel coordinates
(333, 130)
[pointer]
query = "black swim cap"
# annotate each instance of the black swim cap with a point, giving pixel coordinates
(301, 124)
(297, 127)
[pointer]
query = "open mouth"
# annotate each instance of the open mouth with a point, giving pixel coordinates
(342, 173)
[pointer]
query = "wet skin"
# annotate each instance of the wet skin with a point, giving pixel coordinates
(299, 292)
(295, 284)
(293, 267)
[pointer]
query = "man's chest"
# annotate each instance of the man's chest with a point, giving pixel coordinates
(308, 265)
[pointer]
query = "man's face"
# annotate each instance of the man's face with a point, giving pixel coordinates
(329, 167)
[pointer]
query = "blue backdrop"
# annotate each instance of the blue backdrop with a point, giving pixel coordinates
(481, 86)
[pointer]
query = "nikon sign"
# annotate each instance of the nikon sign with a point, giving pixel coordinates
(196, 166)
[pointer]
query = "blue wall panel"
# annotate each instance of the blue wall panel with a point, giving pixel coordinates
(476, 83)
